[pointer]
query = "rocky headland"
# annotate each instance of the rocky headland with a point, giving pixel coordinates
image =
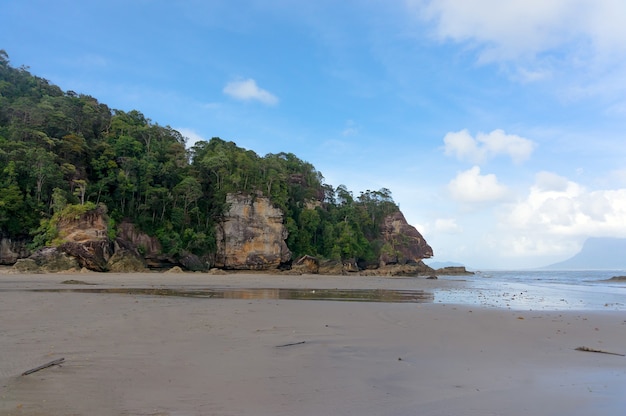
(251, 236)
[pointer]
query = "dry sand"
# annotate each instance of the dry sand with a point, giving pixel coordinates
(130, 354)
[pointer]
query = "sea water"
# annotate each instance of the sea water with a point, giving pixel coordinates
(541, 289)
(559, 277)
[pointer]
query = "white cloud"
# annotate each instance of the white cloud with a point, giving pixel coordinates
(527, 75)
(471, 186)
(191, 135)
(513, 29)
(447, 226)
(555, 217)
(485, 146)
(619, 175)
(542, 249)
(548, 181)
(560, 207)
(248, 90)
(577, 45)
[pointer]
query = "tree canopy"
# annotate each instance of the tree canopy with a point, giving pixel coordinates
(62, 148)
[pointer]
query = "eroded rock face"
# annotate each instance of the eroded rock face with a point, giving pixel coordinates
(125, 258)
(92, 225)
(402, 242)
(332, 267)
(47, 260)
(147, 246)
(86, 245)
(407, 269)
(91, 254)
(85, 239)
(11, 250)
(338, 267)
(306, 265)
(193, 263)
(252, 235)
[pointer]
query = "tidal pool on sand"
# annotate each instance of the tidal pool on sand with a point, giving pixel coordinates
(346, 295)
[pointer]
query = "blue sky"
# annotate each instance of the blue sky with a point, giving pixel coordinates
(499, 126)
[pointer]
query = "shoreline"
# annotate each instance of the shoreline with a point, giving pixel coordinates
(129, 354)
(468, 290)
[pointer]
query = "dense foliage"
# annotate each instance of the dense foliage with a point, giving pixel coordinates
(60, 149)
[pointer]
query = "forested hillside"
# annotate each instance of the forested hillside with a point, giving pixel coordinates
(63, 152)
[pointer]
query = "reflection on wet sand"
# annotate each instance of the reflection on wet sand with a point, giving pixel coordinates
(346, 295)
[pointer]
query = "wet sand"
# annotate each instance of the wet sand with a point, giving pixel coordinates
(140, 354)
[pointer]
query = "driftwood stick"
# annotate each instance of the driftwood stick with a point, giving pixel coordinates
(46, 365)
(290, 344)
(587, 349)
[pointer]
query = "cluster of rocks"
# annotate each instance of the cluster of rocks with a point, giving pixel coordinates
(312, 265)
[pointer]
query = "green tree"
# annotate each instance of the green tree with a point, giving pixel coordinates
(11, 209)
(189, 191)
(63, 149)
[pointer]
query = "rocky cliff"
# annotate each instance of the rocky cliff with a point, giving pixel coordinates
(147, 246)
(12, 249)
(402, 242)
(84, 244)
(401, 254)
(85, 239)
(251, 235)
(90, 226)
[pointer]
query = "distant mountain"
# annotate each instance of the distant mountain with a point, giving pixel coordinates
(596, 254)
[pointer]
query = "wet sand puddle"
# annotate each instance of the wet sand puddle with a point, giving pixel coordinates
(344, 295)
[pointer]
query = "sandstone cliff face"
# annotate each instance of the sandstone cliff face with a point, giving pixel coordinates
(90, 226)
(85, 245)
(86, 240)
(252, 235)
(402, 242)
(149, 247)
(11, 250)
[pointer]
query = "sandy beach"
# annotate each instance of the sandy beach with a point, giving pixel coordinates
(138, 353)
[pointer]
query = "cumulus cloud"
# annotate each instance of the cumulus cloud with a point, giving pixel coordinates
(558, 206)
(248, 90)
(485, 146)
(513, 29)
(548, 181)
(471, 186)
